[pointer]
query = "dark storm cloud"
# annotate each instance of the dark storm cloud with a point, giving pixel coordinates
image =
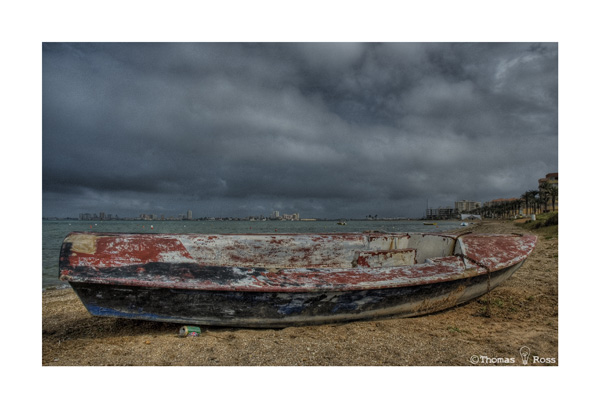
(320, 129)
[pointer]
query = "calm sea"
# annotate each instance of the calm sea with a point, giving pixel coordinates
(53, 232)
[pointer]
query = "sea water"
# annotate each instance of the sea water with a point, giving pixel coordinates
(53, 232)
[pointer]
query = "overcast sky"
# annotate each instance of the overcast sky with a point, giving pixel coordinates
(326, 130)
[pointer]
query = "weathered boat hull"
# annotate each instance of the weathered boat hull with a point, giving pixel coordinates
(277, 309)
(258, 280)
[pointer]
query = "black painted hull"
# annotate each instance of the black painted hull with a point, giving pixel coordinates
(281, 309)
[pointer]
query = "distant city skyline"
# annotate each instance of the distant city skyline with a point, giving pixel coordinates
(322, 129)
(463, 205)
(459, 207)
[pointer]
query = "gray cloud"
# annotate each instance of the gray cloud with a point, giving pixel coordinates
(327, 130)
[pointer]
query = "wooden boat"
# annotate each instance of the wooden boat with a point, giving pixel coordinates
(278, 280)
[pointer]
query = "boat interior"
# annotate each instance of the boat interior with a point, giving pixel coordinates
(319, 250)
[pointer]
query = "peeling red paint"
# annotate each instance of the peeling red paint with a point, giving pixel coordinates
(119, 250)
(497, 251)
(280, 262)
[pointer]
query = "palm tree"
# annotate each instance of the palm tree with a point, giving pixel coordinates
(529, 198)
(496, 211)
(517, 203)
(544, 199)
(544, 194)
(539, 202)
(553, 192)
(525, 197)
(532, 194)
(502, 209)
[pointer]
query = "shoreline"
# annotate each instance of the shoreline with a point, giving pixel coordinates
(523, 312)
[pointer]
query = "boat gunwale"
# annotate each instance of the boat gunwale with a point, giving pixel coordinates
(434, 270)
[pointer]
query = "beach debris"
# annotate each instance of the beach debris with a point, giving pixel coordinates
(189, 331)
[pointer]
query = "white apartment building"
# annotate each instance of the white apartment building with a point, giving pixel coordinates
(466, 205)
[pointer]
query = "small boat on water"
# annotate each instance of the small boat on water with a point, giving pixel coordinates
(279, 280)
(430, 223)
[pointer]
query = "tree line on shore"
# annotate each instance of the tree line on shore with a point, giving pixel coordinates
(530, 202)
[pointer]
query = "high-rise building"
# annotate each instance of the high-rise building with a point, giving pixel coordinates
(551, 180)
(189, 214)
(466, 205)
(548, 189)
(440, 213)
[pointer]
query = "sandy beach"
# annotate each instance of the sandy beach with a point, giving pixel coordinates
(523, 311)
